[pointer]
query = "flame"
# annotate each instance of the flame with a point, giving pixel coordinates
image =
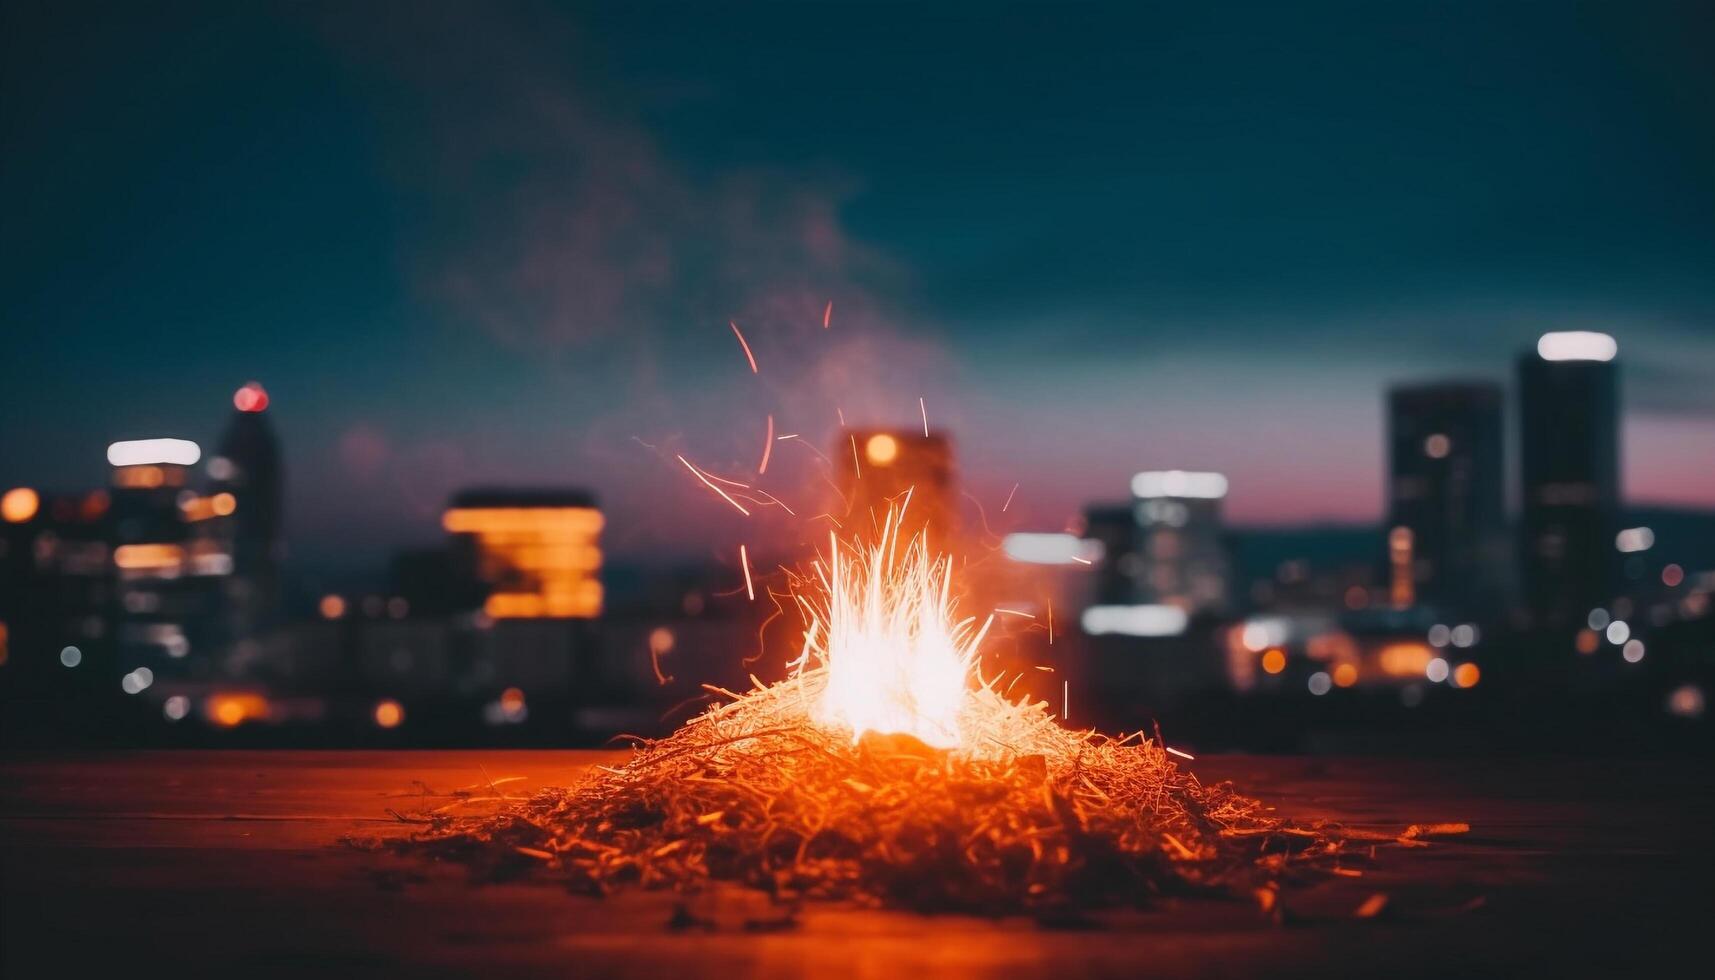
(881, 620)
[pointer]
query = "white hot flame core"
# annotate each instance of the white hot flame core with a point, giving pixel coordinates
(883, 625)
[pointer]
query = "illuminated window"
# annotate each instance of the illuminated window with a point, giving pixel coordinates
(540, 561)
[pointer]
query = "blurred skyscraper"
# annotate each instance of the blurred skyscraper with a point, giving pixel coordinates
(247, 469)
(876, 467)
(1570, 469)
(1446, 489)
(1181, 553)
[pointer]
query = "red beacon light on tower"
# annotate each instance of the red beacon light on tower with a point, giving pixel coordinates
(250, 398)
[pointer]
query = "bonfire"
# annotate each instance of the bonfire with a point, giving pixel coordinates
(885, 769)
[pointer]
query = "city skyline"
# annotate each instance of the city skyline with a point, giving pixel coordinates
(529, 266)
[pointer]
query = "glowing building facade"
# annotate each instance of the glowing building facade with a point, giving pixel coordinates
(537, 553)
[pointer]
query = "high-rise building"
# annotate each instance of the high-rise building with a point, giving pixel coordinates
(1181, 553)
(1447, 538)
(248, 487)
(536, 553)
(1570, 468)
(162, 568)
(1119, 567)
(876, 467)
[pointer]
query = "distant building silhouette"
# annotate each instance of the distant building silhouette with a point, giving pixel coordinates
(875, 468)
(1570, 470)
(1115, 526)
(1446, 489)
(247, 465)
(1182, 557)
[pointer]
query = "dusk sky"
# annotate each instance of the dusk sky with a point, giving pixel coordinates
(500, 244)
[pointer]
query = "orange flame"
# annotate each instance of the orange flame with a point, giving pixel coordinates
(881, 620)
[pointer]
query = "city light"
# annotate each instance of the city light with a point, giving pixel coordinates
(176, 707)
(250, 398)
(1633, 651)
(1437, 446)
(331, 606)
(229, 710)
(542, 562)
(1576, 345)
(389, 713)
(1273, 660)
(1178, 483)
(1051, 549)
(1345, 675)
(166, 559)
(1618, 632)
(19, 505)
(881, 449)
(147, 452)
(137, 681)
(1405, 660)
(71, 656)
(1320, 683)
(1437, 670)
(1686, 701)
(1466, 675)
(1137, 620)
(1634, 539)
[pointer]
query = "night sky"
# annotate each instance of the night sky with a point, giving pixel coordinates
(485, 243)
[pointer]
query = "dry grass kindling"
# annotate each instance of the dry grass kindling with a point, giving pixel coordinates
(1031, 817)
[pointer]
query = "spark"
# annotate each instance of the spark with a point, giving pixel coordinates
(855, 464)
(1065, 700)
(1046, 670)
(1051, 624)
(741, 342)
(925, 410)
(767, 447)
(1013, 612)
(1082, 561)
(778, 502)
(710, 484)
(842, 414)
(789, 435)
(827, 314)
(744, 559)
(1182, 755)
(1008, 503)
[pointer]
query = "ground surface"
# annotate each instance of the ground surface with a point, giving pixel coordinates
(231, 862)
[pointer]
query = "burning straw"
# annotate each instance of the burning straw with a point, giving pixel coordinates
(949, 796)
(756, 792)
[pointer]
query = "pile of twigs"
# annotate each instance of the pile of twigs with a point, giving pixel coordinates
(1030, 817)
